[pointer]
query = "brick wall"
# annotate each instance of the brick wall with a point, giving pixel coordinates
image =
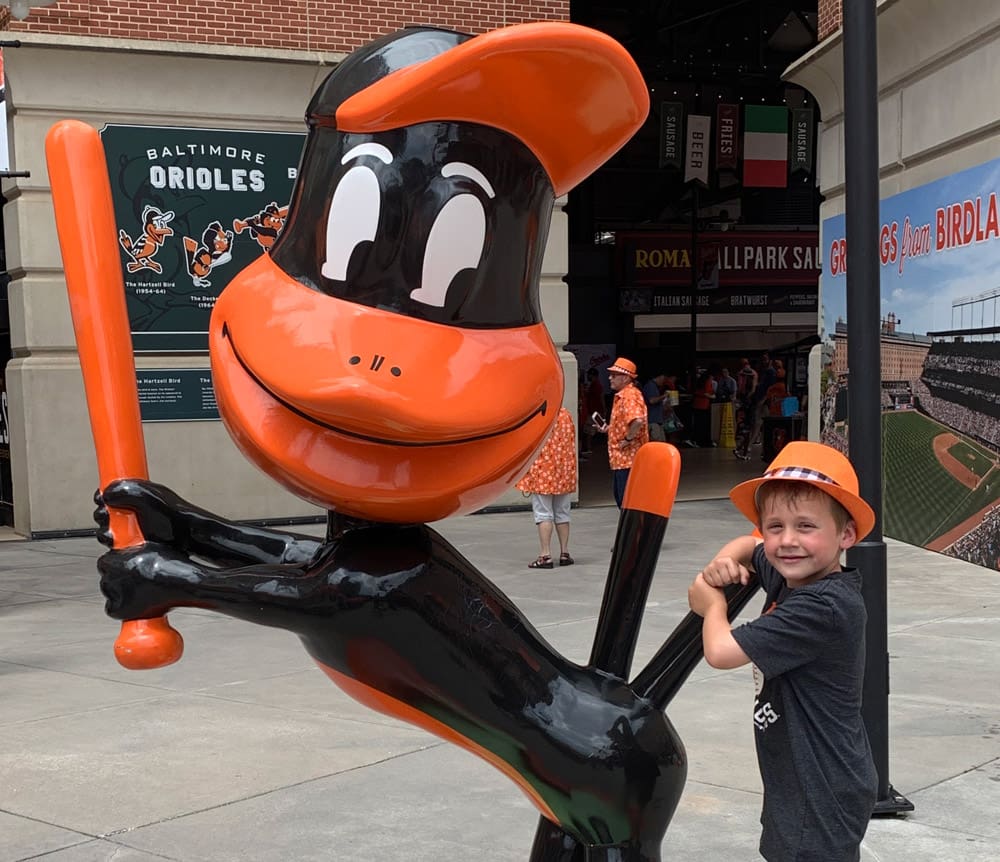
(306, 25)
(831, 16)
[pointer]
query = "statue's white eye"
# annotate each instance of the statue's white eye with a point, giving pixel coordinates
(455, 243)
(353, 219)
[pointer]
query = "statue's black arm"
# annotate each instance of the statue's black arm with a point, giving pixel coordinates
(168, 519)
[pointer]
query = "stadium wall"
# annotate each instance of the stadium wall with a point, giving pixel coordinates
(245, 66)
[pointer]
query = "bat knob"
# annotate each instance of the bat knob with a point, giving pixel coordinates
(148, 644)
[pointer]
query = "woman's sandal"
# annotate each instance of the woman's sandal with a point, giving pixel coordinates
(543, 562)
(565, 560)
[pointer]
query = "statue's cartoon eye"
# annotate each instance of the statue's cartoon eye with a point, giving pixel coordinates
(455, 243)
(456, 239)
(354, 211)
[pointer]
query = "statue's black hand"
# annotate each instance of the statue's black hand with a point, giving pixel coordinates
(103, 520)
(160, 511)
(134, 581)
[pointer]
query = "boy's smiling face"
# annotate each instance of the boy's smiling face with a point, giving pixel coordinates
(803, 539)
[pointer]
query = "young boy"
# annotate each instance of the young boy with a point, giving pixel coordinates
(808, 651)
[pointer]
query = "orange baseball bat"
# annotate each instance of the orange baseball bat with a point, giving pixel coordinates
(85, 223)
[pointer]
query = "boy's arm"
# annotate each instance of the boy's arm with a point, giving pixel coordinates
(720, 647)
(731, 565)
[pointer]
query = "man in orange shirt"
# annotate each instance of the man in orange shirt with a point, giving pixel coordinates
(627, 430)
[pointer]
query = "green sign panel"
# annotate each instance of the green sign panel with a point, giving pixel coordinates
(176, 394)
(193, 207)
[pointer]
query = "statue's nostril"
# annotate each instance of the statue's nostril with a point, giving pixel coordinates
(376, 364)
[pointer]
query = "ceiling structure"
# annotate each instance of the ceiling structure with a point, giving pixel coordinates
(706, 40)
(699, 52)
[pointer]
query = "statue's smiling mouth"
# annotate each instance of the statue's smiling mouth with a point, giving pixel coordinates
(540, 410)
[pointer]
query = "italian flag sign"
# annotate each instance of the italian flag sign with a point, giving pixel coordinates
(765, 147)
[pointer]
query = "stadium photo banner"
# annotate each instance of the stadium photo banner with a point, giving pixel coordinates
(939, 249)
(192, 208)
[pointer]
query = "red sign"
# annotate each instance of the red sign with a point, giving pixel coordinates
(721, 258)
(727, 134)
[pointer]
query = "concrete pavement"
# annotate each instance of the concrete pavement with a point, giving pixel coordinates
(244, 751)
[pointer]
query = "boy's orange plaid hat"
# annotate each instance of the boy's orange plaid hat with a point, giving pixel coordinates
(818, 465)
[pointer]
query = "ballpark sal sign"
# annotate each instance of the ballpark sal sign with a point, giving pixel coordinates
(751, 258)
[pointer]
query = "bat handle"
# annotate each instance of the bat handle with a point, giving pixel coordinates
(142, 644)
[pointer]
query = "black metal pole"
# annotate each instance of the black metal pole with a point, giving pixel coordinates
(864, 366)
(694, 299)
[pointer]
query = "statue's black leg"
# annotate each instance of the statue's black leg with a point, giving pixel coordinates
(552, 844)
(623, 853)
(649, 498)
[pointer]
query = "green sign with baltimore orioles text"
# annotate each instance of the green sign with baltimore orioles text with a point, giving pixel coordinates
(193, 207)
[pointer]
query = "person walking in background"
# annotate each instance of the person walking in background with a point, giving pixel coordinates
(701, 409)
(593, 402)
(628, 428)
(551, 481)
(654, 393)
(776, 393)
(746, 381)
(766, 378)
(746, 385)
(725, 387)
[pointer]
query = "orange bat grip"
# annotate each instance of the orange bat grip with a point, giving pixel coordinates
(85, 223)
(652, 484)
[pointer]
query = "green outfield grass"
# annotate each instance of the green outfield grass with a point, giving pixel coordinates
(978, 461)
(921, 499)
(986, 494)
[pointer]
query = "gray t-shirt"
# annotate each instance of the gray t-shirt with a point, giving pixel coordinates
(808, 650)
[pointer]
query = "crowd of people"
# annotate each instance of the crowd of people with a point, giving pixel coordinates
(981, 545)
(973, 423)
(640, 412)
(831, 431)
(762, 392)
(679, 408)
(973, 415)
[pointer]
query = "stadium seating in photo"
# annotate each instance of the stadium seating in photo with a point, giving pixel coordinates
(922, 499)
